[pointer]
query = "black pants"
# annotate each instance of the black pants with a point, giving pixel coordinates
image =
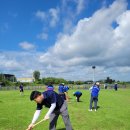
(78, 96)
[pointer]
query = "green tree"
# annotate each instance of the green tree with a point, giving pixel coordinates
(36, 75)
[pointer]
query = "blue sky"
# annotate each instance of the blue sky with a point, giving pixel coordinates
(64, 38)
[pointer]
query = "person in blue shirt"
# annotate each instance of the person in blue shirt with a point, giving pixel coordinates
(21, 89)
(66, 89)
(78, 94)
(115, 86)
(61, 91)
(94, 95)
(50, 87)
(57, 106)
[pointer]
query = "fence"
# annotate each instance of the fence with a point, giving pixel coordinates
(84, 86)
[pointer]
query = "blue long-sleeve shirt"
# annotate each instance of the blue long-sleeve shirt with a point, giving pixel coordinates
(95, 90)
(61, 88)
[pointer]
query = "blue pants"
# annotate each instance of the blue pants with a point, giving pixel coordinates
(95, 100)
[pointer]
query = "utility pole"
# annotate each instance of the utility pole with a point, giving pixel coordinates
(93, 67)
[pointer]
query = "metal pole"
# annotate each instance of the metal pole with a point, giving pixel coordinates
(93, 67)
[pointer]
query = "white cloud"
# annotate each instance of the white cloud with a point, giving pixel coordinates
(50, 17)
(43, 36)
(93, 41)
(26, 45)
(54, 13)
(80, 5)
(41, 15)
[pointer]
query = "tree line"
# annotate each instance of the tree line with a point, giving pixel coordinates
(45, 80)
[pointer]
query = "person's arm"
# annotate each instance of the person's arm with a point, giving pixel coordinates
(35, 117)
(51, 109)
(90, 88)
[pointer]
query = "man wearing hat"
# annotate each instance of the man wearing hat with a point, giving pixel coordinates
(94, 95)
(57, 106)
(49, 87)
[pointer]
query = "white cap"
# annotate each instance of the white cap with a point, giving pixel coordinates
(63, 83)
(97, 83)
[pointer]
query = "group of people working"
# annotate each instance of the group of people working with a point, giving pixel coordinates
(56, 102)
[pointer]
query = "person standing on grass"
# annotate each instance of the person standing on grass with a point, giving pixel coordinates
(61, 90)
(105, 86)
(57, 106)
(94, 95)
(78, 94)
(115, 86)
(21, 89)
(66, 89)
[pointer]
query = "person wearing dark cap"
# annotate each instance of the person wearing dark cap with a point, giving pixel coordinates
(57, 106)
(78, 94)
(50, 87)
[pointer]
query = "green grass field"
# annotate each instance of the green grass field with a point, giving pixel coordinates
(16, 111)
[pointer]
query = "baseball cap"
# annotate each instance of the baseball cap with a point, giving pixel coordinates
(97, 83)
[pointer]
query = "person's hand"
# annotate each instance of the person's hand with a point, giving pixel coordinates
(30, 127)
(46, 117)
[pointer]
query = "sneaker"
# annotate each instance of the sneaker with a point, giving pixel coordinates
(90, 110)
(95, 110)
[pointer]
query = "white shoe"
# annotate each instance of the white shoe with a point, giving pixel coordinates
(90, 110)
(95, 110)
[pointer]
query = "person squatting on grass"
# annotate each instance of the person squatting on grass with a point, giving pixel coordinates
(94, 95)
(57, 106)
(78, 94)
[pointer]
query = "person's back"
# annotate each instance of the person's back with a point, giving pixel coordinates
(21, 89)
(49, 96)
(66, 88)
(77, 93)
(61, 88)
(95, 91)
(115, 86)
(50, 87)
(94, 95)
(61, 91)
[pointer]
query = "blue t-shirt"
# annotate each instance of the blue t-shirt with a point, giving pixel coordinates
(21, 87)
(61, 88)
(49, 98)
(50, 87)
(66, 88)
(95, 90)
(77, 93)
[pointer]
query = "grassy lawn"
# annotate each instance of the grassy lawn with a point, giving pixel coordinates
(16, 111)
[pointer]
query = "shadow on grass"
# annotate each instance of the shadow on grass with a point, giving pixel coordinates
(97, 107)
(63, 129)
